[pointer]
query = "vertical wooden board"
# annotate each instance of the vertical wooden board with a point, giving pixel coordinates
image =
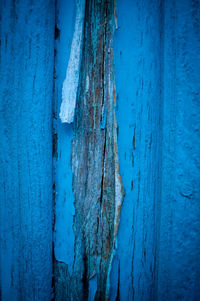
(156, 74)
(137, 55)
(26, 71)
(94, 156)
(63, 133)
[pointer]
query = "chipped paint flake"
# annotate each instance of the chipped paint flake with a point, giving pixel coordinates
(70, 84)
(119, 193)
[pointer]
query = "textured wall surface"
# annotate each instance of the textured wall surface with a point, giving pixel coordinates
(26, 75)
(145, 67)
(179, 237)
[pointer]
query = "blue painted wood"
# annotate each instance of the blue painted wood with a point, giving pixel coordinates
(156, 53)
(157, 107)
(63, 133)
(159, 236)
(137, 52)
(26, 76)
(179, 237)
(62, 174)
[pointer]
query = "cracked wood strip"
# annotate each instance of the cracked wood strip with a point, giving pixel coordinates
(96, 181)
(144, 263)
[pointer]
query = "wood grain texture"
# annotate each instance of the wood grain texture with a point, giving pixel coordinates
(94, 152)
(157, 103)
(96, 181)
(154, 55)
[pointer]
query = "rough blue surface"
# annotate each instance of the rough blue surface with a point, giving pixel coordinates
(137, 71)
(26, 76)
(157, 81)
(179, 237)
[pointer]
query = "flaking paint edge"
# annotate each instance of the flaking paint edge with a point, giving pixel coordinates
(119, 191)
(70, 84)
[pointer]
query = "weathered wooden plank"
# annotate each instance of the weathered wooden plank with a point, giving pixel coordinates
(138, 57)
(96, 181)
(156, 73)
(63, 133)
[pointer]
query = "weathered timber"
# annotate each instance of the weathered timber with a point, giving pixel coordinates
(96, 181)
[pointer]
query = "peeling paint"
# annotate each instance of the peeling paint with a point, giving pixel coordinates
(154, 254)
(63, 195)
(97, 184)
(70, 84)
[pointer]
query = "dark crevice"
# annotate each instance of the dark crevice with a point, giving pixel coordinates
(54, 145)
(118, 285)
(57, 32)
(133, 142)
(54, 154)
(85, 278)
(102, 179)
